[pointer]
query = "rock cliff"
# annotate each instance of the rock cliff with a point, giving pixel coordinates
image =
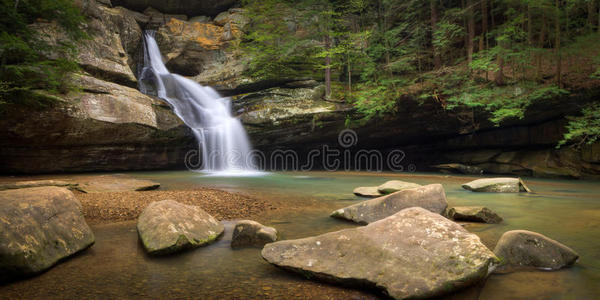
(110, 125)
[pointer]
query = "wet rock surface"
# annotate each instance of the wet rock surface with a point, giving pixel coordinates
(252, 233)
(396, 185)
(168, 226)
(115, 183)
(430, 256)
(522, 248)
(367, 191)
(495, 185)
(473, 214)
(39, 227)
(35, 183)
(431, 197)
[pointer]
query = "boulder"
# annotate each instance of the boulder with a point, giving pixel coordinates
(251, 233)
(35, 183)
(115, 183)
(168, 226)
(473, 214)
(39, 227)
(496, 185)
(412, 254)
(522, 248)
(396, 185)
(431, 197)
(367, 191)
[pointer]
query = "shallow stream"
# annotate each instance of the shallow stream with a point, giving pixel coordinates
(117, 267)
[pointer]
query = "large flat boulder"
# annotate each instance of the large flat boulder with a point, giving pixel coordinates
(396, 185)
(522, 248)
(115, 183)
(497, 185)
(412, 254)
(431, 197)
(39, 227)
(34, 183)
(168, 226)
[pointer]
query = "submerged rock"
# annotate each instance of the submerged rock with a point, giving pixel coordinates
(367, 191)
(431, 197)
(39, 227)
(35, 183)
(251, 233)
(531, 249)
(168, 226)
(412, 254)
(497, 185)
(473, 214)
(396, 185)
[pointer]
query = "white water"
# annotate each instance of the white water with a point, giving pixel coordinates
(222, 140)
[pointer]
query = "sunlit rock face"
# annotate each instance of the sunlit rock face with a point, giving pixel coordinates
(185, 7)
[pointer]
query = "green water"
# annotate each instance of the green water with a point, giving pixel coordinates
(116, 266)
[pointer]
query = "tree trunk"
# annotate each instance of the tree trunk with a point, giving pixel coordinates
(538, 72)
(466, 41)
(529, 26)
(591, 14)
(327, 68)
(484, 26)
(349, 77)
(437, 61)
(557, 44)
(470, 30)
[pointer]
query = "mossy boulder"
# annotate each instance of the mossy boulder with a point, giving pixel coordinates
(39, 227)
(168, 226)
(522, 248)
(412, 254)
(431, 197)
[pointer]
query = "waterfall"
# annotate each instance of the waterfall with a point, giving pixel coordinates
(222, 140)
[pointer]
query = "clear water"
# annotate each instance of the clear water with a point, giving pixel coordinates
(116, 266)
(222, 140)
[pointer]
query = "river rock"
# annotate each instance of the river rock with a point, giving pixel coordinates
(459, 168)
(34, 183)
(473, 214)
(531, 249)
(367, 191)
(39, 227)
(431, 197)
(251, 233)
(168, 226)
(496, 185)
(116, 183)
(412, 254)
(396, 185)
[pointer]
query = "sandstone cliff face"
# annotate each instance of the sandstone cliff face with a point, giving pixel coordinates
(110, 125)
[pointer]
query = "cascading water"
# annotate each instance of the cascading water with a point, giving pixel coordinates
(221, 137)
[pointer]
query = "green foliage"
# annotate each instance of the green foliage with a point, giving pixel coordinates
(28, 62)
(584, 128)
